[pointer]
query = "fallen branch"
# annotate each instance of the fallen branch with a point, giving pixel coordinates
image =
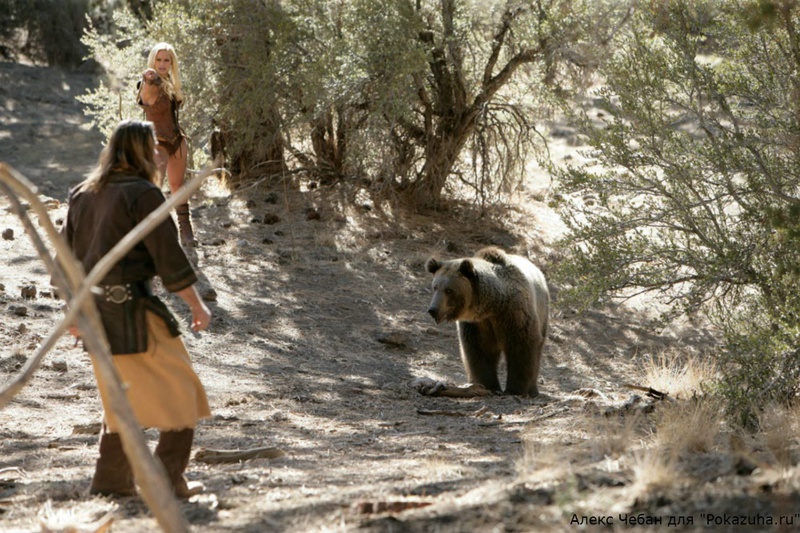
(210, 456)
(431, 387)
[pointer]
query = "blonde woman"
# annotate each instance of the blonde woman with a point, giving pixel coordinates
(148, 352)
(160, 96)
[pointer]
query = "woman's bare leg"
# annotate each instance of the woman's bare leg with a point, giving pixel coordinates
(176, 169)
(161, 160)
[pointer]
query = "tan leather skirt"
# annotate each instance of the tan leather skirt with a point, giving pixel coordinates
(161, 386)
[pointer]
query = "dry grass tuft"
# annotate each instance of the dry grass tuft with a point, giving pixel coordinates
(677, 376)
(53, 520)
(692, 426)
(542, 461)
(653, 471)
(780, 429)
(615, 434)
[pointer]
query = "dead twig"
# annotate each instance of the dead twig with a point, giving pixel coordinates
(443, 412)
(387, 506)
(656, 395)
(13, 469)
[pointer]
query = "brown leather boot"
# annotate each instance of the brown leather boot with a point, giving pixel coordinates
(112, 475)
(185, 225)
(173, 449)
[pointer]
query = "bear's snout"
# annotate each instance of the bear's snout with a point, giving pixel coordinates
(434, 312)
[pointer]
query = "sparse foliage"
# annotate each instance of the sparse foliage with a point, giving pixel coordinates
(695, 171)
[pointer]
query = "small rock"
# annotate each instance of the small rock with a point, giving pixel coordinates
(271, 218)
(8, 234)
(2, 287)
(394, 338)
(22, 328)
(28, 292)
(59, 365)
(92, 428)
(208, 293)
(18, 310)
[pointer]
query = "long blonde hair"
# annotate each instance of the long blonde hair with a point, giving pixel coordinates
(130, 150)
(171, 85)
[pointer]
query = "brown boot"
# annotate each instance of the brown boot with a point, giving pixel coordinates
(112, 475)
(173, 449)
(185, 225)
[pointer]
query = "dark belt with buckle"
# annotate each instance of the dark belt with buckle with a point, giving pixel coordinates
(119, 294)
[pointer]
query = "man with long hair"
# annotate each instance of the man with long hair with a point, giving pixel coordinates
(148, 353)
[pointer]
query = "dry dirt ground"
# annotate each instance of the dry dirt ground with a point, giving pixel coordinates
(319, 325)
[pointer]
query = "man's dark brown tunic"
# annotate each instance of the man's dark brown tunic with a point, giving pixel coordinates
(96, 222)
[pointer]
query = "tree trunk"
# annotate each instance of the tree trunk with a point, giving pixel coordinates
(442, 153)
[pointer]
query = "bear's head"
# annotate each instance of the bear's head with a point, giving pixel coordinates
(453, 289)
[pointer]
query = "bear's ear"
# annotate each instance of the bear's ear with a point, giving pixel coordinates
(432, 265)
(467, 269)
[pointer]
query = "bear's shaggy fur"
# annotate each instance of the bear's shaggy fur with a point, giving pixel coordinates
(500, 304)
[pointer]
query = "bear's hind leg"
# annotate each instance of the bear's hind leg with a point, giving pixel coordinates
(523, 357)
(480, 355)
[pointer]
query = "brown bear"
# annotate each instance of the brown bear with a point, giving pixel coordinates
(500, 304)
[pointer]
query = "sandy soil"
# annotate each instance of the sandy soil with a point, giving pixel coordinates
(318, 328)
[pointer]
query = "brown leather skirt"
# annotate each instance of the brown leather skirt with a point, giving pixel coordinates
(173, 146)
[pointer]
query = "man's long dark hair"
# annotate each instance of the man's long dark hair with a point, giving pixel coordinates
(131, 150)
